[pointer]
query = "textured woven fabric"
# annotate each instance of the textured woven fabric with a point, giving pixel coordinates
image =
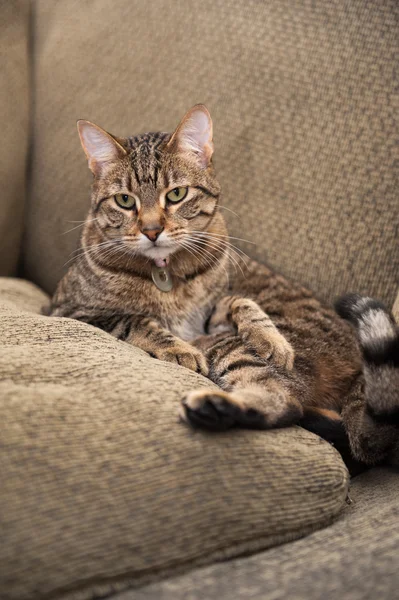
(354, 559)
(14, 111)
(395, 308)
(102, 487)
(302, 96)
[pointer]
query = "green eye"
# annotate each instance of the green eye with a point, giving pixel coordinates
(125, 201)
(177, 194)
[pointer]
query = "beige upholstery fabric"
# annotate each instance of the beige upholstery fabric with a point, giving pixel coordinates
(302, 96)
(102, 487)
(354, 559)
(395, 308)
(14, 111)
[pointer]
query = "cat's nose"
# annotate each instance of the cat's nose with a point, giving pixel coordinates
(152, 232)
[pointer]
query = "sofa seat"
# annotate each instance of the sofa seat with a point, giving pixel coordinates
(103, 488)
(356, 558)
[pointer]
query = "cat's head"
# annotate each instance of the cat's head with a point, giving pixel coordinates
(156, 191)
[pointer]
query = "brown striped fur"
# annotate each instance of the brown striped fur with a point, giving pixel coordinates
(326, 378)
(275, 351)
(109, 284)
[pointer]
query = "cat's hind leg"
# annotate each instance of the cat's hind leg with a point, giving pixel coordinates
(256, 407)
(254, 394)
(328, 425)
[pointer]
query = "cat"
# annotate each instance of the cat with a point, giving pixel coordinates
(153, 270)
(340, 380)
(154, 252)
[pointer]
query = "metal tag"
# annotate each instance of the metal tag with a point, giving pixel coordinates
(161, 277)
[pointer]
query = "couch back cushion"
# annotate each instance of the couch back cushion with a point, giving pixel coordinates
(302, 98)
(14, 111)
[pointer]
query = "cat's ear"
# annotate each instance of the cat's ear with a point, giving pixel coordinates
(193, 136)
(100, 147)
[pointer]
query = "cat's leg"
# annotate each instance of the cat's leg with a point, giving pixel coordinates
(149, 335)
(257, 407)
(254, 327)
(160, 343)
(328, 424)
(255, 395)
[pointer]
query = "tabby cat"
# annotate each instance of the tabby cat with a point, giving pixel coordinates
(153, 270)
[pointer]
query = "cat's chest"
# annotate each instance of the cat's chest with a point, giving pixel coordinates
(184, 309)
(188, 316)
(192, 325)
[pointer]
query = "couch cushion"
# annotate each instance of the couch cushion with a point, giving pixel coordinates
(302, 96)
(356, 558)
(14, 111)
(103, 488)
(395, 308)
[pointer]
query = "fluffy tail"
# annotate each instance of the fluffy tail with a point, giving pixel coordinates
(378, 336)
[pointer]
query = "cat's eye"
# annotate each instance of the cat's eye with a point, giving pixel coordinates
(177, 194)
(125, 201)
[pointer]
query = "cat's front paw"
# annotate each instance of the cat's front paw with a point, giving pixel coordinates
(270, 345)
(184, 355)
(259, 333)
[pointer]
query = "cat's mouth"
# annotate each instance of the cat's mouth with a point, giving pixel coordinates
(159, 253)
(161, 262)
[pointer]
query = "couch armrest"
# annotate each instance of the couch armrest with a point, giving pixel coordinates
(14, 110)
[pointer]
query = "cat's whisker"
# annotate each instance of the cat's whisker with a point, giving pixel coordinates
(222, 235)
(204, 253)
(89, 250)
(84, 221)
(208, 257)
(109, 253)
(196, 252)
(229, 209)
(107, 242)
(221, 243)
(192, 252)
(217, 244)
(206, 246)
(233, 247)
(235, 263)
(128, 252)
(100, 245)
(237, 255)
(231, 258)
(81, 224)
(227, 244)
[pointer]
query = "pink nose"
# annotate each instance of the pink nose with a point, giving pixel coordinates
(152, 232)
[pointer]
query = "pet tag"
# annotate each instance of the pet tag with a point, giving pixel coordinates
(161, 277)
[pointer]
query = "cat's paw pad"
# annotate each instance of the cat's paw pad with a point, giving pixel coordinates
(209, 409)
(185, 355)
(218, 411)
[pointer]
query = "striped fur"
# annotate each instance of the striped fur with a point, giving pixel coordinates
(109, 284)
(353, 403)
(279, 356)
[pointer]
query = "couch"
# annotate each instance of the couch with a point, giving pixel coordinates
(103, 492)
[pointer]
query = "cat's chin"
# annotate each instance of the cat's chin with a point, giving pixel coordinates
(159, 254)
